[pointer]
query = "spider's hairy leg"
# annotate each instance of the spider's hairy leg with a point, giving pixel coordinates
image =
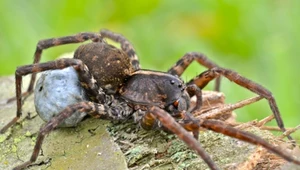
(202, 79)
(125, 45)
(187, 121)
(187, 59)
(93, 109)
(169, 122)
(221, 127)
(147, 121)
(52, 42)
(84, 76)
(192, 90)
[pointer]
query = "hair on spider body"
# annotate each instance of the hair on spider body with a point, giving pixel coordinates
(109, 65)
(116, 88)
(146, 87)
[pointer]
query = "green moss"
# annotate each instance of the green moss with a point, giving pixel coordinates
(28, 134)
(17, 140)
(14, 148)
(3, 137)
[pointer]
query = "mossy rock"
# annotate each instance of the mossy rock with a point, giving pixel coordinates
(87, 146)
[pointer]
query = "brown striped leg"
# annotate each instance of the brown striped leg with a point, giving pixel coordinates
(169, 122)
(148, 121)
(227, 130)
(209, 75)
(187, 121)
(85, 78)
(125, 45)
(93, 109)
(52, 42)
(192, 90)
(187, 59)
(203, 79)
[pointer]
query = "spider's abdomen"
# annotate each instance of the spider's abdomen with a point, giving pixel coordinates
(109, 65)
(152, 88)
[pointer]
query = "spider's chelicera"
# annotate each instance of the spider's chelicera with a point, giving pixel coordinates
(117, 88)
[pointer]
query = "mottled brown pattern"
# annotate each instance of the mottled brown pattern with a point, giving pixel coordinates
(111, 68)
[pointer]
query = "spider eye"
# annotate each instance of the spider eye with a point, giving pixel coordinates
(176, 103)
(172, 81)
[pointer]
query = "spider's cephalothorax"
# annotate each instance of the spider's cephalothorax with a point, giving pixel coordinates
(117, 87)
(151, 88)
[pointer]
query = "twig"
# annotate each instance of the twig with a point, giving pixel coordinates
(265, 120)
(227, 108)
(271, 128)
(288, 132)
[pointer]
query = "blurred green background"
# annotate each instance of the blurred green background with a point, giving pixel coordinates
(258, 39)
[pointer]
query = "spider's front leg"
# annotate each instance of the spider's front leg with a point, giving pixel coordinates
(186, 123)
(187, 59)
(169, 122)
(84, 76)
(179, 110)
(52, 42)
(204, 78)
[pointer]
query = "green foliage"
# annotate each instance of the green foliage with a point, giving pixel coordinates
(259, 39)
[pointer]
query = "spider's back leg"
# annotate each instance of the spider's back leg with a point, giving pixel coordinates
(125, 45)
(169, 122)
(48, 43)
(86, 79)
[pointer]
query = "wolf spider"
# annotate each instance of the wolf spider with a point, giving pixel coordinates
(111, 75)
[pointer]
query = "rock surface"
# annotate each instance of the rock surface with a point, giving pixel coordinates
(87, 146)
